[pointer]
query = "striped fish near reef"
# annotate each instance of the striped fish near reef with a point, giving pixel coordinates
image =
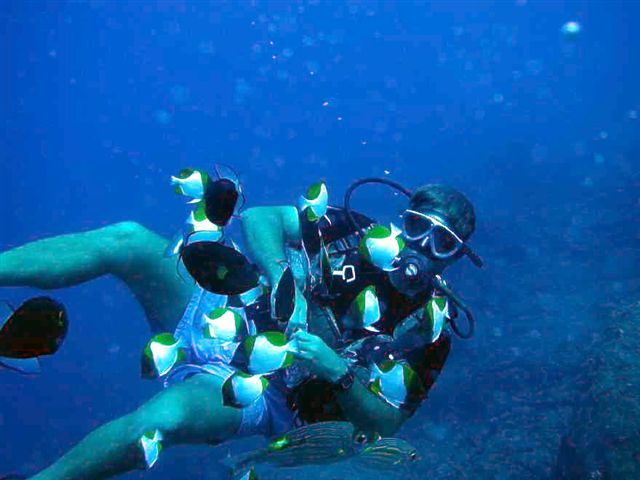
(325, 443)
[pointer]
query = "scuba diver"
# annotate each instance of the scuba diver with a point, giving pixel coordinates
(334, 318)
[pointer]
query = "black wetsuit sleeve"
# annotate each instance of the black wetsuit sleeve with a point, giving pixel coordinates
(429, 362)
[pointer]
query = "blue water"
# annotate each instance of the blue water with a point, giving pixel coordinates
(102, 101)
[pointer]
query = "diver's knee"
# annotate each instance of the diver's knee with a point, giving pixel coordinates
(122, 242)
(168, 416)
(126, 233)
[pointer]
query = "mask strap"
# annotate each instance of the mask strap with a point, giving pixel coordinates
(473, 256)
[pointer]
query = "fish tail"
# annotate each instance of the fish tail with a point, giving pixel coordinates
(303, 203)
(26, 366)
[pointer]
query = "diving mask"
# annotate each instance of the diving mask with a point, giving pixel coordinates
(431, 232)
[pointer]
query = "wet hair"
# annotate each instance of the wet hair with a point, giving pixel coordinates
(447, 202)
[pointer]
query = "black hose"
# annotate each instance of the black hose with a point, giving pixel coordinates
(437, 281)
(363, 181)
(471, 321)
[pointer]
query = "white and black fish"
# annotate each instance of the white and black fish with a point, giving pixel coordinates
(241, 389)
(263, 353)
(160, 355)
(315, 202)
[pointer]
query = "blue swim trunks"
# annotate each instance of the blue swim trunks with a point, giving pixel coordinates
(270, 414)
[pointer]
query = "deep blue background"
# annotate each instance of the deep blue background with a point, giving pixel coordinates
(102, 101)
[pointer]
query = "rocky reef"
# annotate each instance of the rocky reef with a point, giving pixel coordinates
(603, 438)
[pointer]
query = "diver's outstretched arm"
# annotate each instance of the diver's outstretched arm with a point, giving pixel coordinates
(272, 235)
(187, 413)
(268, 232)
(127, 250)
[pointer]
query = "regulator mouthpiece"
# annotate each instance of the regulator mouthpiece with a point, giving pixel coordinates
(412, 274)
(411, 271)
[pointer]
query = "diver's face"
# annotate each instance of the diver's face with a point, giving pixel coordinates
(431, 246)
(431, 234)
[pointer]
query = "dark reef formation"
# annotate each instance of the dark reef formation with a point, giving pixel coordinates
(603, 440)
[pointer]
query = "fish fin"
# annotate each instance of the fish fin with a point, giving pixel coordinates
(375, 371)
(174, 246)
(206, 236)
(26, 366)
(371, 328)
(392, 267)
(226, 172)
(303, 203)
(248, 475)
(395, 231)
(6, 311)
(241, 206)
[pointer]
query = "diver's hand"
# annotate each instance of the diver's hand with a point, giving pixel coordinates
(298, 320)
(321, 359)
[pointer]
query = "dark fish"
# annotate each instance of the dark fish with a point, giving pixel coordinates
(318, 443)
(285, 296)
(38, 327)
(387, 453)
(221, 195)
(220, 199)
(218, 268)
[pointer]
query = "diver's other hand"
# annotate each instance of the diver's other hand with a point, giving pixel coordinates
(322, 360)
(298, 320)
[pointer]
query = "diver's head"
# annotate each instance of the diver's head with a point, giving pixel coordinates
(436, 227)
(438, 223)
(448, 204)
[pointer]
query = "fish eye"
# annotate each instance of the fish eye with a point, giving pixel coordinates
(413, 456)
(361, 438)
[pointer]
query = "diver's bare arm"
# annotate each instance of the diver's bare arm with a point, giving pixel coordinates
(127, 250)
(268, 232)
(369, 412)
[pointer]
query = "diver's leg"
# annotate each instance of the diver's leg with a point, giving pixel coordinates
(190, 412)
(127, 250)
